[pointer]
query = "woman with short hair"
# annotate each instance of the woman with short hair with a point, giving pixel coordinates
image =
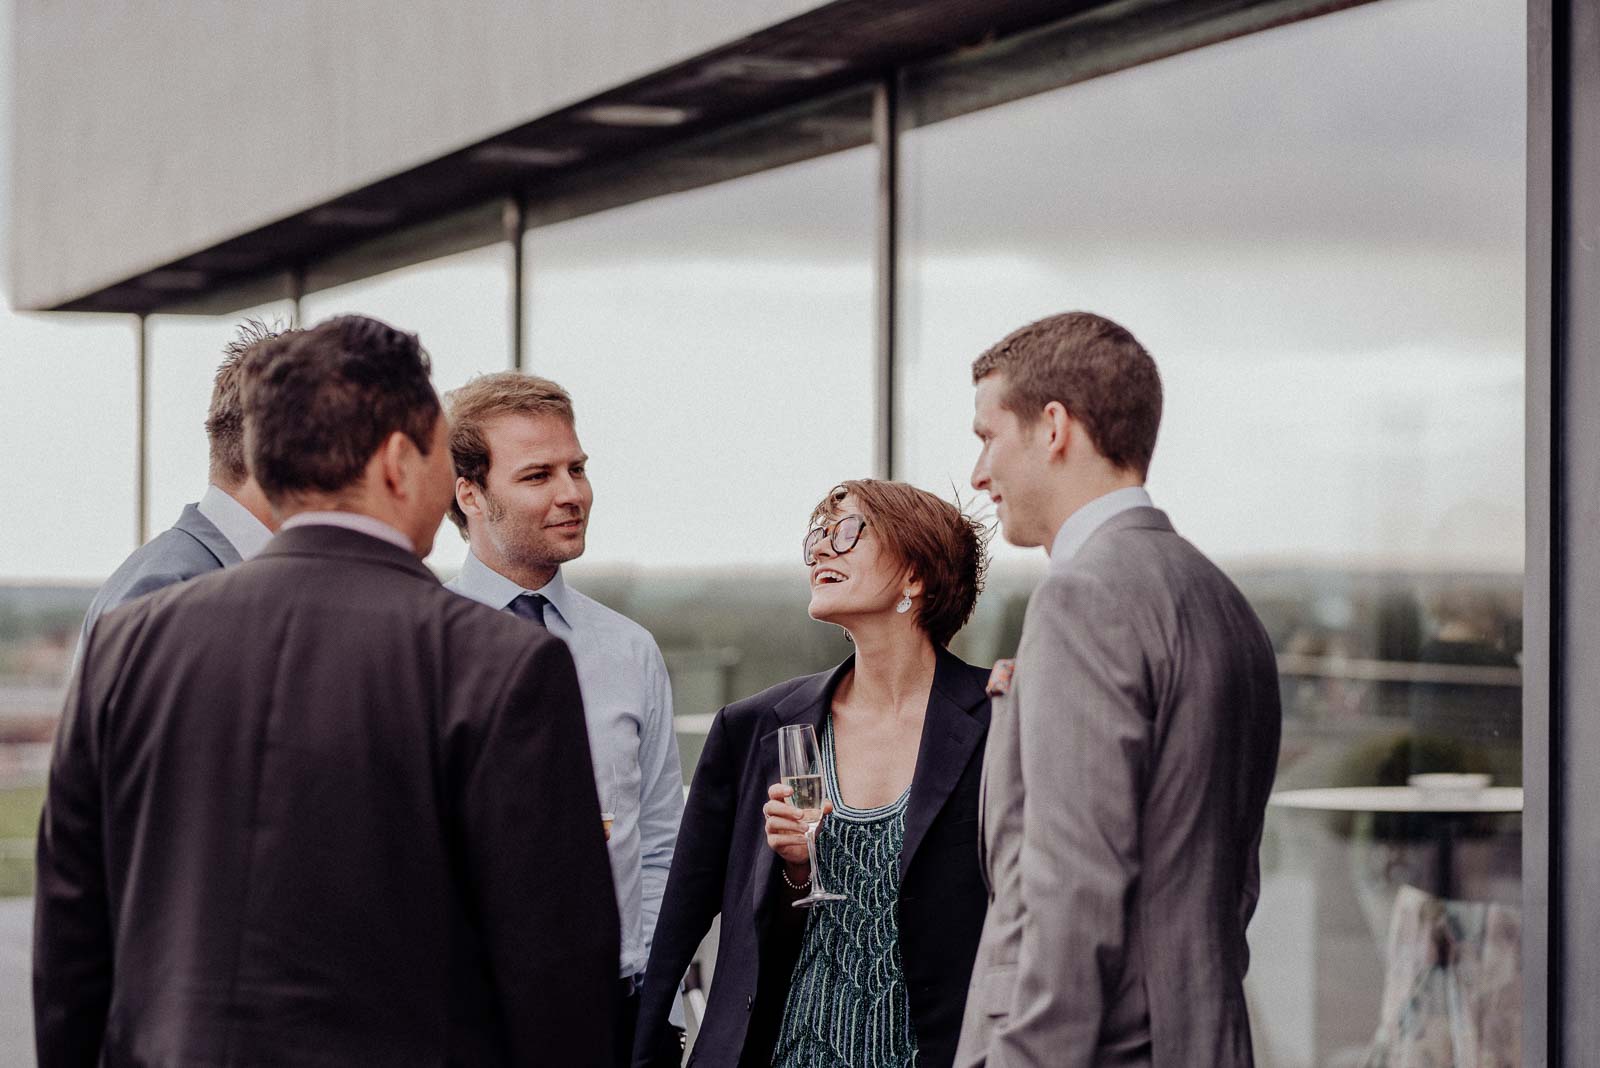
(879, 978)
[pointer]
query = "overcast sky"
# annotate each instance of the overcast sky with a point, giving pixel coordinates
(1317, 231)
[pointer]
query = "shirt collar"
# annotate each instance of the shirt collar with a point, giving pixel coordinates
(1082, 524)
(362, 524)
(247, 534)
(483, 583)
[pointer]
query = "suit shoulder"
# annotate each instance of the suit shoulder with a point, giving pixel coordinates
(978, 676)
(1077, 583)
(747, 711)
(166, 559)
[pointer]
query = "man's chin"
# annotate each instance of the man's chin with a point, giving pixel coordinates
(565, 550)
(1018, 536)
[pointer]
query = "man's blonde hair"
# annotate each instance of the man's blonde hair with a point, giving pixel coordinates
(485, 398)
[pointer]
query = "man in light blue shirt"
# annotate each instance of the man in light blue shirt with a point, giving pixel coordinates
(522, 502)
(230, 523)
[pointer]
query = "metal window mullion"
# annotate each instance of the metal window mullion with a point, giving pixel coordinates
(141, 493)
(515, 221)
(886, 136)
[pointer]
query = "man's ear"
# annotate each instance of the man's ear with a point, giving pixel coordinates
(468, 497)
(396, 458)
(1056, 425)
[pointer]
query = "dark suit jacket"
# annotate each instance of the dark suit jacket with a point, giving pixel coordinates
(1125, 785)
(318, 810)
(722, 865)
(191, 547)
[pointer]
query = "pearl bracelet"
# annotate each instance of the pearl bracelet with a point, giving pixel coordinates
(783, 870)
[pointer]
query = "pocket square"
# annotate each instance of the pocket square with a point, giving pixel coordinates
(1000, 678)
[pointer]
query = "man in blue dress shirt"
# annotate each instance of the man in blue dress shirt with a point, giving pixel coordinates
(230, 523)
(522, 502)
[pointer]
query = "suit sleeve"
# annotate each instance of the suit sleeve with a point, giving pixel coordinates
(72, 959)
(537, 863)
(693, 896)
(1085, 729)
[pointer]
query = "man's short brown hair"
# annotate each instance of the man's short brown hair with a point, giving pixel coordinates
(942, 545)
(488, 397)
(318, 403)
(1093, 368)
(225, 416)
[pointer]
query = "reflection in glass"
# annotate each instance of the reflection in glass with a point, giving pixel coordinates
(460, 308)
(1317, 231)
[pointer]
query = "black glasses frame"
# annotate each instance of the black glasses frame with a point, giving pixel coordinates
(830, 531)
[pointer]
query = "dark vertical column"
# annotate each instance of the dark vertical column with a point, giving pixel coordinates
(886, 135)
(297, 292)
(514, 221)
(141, 493)
(1561, 896)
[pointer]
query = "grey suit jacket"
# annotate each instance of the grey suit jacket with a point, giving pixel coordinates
(191, 547)
(1125, 785)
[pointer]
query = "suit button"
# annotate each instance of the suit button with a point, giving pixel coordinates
(749, 1002)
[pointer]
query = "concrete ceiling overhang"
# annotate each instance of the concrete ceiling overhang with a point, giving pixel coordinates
(824, 51)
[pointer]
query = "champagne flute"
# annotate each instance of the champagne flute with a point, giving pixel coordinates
(800, 769)
(608, 783)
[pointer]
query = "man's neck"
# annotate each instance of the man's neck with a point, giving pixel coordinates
(364, 522)
(248, 494)
(1084, 491)
(528, 576)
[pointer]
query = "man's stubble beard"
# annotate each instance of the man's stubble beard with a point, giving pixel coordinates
(526, 547)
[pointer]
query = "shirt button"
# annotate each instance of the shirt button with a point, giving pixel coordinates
(749, 1002)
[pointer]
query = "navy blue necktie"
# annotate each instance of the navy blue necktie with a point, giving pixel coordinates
(529, 606)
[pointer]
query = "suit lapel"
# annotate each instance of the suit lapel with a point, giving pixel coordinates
(202, 530)
(950, 735)
(806, 703)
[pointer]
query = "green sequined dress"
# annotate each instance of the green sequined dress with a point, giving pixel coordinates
(847, 1004)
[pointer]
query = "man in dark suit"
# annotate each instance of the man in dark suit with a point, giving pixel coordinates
(230, 523)
(316, 808)
(1132, 749)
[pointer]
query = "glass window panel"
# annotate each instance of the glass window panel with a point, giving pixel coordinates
(68, 391)
(718, 347)
(68, 402)
(185, 351)
(1318, 232)
(460, 307)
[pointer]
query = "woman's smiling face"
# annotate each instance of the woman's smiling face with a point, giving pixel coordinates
(861, 581)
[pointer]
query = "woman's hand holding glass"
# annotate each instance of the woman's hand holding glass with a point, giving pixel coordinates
(786, 830)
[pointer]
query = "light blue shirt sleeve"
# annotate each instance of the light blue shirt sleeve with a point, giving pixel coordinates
(660, 801)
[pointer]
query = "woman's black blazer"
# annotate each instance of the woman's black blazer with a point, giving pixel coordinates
(722, 865)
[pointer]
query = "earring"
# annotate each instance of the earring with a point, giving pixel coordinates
(904, 606)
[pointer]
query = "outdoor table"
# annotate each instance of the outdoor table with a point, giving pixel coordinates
(1444, 802)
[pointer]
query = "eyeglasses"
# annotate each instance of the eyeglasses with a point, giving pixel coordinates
(842, 534)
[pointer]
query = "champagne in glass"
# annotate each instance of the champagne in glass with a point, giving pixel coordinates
(800, 768)
(807, 796)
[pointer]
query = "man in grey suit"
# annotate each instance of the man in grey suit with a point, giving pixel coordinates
(231, 522)
(1132, 747)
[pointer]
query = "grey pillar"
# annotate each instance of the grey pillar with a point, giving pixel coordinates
(1561, 699)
